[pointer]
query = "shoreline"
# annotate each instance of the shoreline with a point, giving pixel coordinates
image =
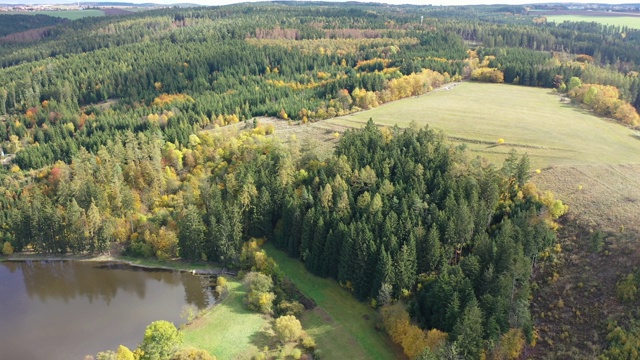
(150, 264)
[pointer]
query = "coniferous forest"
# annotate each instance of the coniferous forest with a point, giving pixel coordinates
(141, 132)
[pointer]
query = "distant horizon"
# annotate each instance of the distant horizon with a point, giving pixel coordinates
(390, 2)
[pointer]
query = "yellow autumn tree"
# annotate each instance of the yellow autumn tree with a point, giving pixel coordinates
(288, 328)
(412, 339)
(511, 345)
(7, 248)
(123, 353)
(492, 75)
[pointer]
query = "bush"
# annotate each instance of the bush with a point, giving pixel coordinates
(260, 298)
(308, 342)
(221, 286)
(7, 248)
(288, 328)
(123, 353)
(597, 241)
(192, 354)
(627, 288)
(189, 313)
(290, 308)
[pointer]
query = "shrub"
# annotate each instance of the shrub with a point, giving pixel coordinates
(308, 342)
(296, 354)
(290, 308)
(221, 286)
(260, 298)
(288, 328)
(7, 248)
(123, 353)
(627, 288)
(192, 354)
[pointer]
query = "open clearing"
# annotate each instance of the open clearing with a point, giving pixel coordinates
(342, 327)
(632, 22)
(571, 146)
(228, 330)
(530, 120)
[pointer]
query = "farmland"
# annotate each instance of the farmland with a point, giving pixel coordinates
(632, 22)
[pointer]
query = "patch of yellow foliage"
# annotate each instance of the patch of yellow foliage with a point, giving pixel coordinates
(165, 99)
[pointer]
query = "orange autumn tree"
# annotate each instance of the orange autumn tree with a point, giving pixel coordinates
(412, 339)
(605, 100)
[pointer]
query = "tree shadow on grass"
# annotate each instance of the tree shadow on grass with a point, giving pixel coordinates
(578, 108)
(262, 338)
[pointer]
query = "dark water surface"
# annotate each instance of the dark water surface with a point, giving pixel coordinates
(66, 310)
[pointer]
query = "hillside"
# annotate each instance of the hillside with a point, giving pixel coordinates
(589, 162)
(586, 160)
(152, 134)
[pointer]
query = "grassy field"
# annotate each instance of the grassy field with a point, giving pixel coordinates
(342, 327)
(66, 14)
(629, 21)
(228, 330)
(530, 120)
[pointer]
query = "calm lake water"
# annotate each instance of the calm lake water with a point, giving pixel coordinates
(66, 310)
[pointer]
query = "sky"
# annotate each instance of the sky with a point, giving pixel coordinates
(395, 2)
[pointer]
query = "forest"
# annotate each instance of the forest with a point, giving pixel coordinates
(144, 131)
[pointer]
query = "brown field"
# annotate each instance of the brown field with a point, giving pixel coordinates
(606, 197)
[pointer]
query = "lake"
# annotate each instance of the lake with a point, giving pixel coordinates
(68, 309)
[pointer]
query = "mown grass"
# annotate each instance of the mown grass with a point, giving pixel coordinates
(342, 327)
(530, 120)
(629, 21)
(66, 14)
(228, 330)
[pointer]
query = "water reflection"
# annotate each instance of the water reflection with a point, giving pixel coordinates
(66, 309)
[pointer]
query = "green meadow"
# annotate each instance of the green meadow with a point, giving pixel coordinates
(531, 120)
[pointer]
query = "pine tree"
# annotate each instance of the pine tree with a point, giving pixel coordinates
(191, 236)
(468, 331)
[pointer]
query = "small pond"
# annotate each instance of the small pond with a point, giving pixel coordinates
(68, 309)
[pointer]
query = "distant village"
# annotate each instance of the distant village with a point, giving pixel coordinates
(40, 7)
(58, 7)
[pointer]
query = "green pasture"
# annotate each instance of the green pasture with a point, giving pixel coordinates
(228, 330)
(343, 327)
(531, 120)
(632, 22)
